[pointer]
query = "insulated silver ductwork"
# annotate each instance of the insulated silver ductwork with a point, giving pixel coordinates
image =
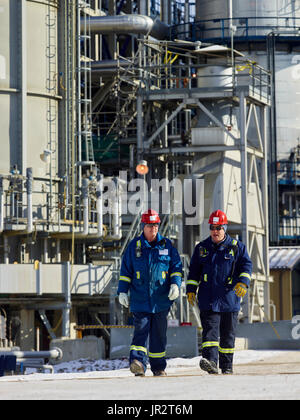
(128, 24)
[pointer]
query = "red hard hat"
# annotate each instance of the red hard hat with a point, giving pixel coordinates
(150, 216)
(218, 217)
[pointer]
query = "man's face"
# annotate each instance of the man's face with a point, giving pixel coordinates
(217, 233)
(150, 231)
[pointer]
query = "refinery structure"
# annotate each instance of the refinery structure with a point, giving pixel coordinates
(200, 96)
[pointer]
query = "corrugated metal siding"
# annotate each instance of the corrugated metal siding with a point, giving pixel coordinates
(284, 258)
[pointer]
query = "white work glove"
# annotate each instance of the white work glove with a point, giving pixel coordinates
(124, 299)
(174, 292)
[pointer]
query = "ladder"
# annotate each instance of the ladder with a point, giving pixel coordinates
(51, 86)
(84, 89)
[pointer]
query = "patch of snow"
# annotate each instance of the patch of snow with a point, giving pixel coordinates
(89, 368)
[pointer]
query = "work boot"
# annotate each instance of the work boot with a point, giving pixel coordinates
(137, 368)
(209, 366)
(227, 371)
(159, 373)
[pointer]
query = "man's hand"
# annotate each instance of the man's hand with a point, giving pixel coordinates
(240, 289)
(174, 292)
(124, 299)
(191, 298)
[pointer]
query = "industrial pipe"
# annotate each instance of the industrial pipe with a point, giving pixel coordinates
(126, 24)
(29, 200)
(116, 214)
(1, 205)
(55, 353)
(99, 204)
(107, 67)
(109, 64)
(85, 197)
(29, 228)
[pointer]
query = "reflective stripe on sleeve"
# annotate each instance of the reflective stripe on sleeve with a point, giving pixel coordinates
(176, 274)
(245, 275)
(124, 278)
(192, 282)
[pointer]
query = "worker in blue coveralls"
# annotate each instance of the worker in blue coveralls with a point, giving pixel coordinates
(221, 270)
(150, 280)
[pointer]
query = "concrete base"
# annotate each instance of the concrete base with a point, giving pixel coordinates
(90, 347)
(260, 336)
(181, 342)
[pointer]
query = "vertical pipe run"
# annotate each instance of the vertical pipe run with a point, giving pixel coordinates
(29, 200)
(140, 134)
(99, 198)
(85, 196)
(1, 205)
(79, 137)
(116, 210)
(263, 118)
(23, 72)
(68, 303)
(244, 190)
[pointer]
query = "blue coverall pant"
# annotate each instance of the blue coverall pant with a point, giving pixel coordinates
(154, 326)
(218, 337)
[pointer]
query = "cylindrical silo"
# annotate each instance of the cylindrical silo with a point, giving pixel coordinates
(253, 21)
(255, 17)
(28, 86)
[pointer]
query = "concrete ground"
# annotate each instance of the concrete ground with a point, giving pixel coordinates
(274, 378)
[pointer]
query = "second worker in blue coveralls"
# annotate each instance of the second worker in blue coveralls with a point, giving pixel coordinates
(150, 279)
(221, 271)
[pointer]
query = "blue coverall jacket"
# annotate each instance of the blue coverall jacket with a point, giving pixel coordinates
(210, 273)
(147, 273)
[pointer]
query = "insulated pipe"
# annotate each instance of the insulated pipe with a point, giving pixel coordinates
(29, 200)
(1, 205)
(85, 196)
(68, 302)
(126, 24)
(109, 64)
(106, 67)
(55, 353)
(99, 204)
(116, 214)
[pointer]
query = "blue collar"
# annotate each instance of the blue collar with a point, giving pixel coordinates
(224, 244)
(159, 240)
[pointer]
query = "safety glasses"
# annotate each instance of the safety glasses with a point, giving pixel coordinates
(213, 227)
(151, 225)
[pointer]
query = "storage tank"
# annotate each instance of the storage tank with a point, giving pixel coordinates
(262, 16)
(214, 76)
(28, 85)
(254, 20)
